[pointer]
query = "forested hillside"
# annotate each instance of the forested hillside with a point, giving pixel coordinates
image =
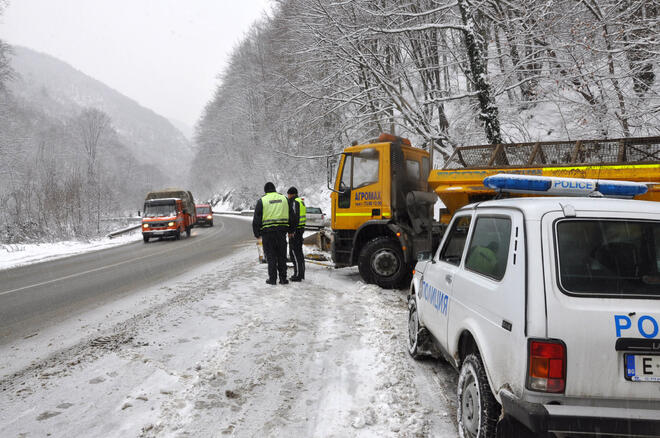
(73, 151)
(319, 74)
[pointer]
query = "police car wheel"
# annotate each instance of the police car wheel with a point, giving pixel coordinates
(478, 411)
(417, 336)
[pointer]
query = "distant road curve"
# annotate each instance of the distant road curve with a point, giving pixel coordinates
(41, 294)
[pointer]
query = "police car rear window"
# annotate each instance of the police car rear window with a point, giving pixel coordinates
(613, 258)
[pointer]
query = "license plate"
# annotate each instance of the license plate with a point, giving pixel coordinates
(642, 367)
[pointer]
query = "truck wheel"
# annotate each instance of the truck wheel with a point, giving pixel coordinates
(478, 411)
(177, 235)
(381, 262)
(188, 231)
(418, 336)
(145, 238)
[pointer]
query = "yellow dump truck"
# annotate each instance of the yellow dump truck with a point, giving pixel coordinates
(384, 191)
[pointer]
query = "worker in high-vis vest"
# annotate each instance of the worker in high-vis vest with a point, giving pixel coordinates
(299, 213)
(271, 222)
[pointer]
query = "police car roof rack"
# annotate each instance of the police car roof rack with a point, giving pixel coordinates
(550, 185)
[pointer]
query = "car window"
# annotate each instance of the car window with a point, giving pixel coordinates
(313, 210)
(452, 250)
(489, 247)
(609, 257)
(158, 210)
(203, 210)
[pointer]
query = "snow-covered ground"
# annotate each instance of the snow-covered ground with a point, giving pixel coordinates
(217, 352)
(12, 255)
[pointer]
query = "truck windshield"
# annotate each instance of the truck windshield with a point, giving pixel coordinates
(203, 210)
(365, 170)
(609, 257)
(159, 210)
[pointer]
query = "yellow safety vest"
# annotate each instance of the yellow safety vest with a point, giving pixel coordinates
(275, 210)
(303, 213)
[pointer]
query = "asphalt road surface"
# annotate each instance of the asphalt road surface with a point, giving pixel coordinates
(42, 294)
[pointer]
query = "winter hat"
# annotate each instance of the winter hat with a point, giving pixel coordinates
(292, 191)
(269, 187)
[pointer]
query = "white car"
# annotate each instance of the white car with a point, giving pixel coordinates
(550, 309)
(315, 217)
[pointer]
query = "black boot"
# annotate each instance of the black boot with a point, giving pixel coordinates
(269, 281)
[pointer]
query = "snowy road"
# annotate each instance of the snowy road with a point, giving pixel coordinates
(42, 294)
(217, 352)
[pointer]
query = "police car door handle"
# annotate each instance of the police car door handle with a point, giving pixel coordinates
(448, 278)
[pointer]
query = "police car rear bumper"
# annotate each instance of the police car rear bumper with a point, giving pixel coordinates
(568, 419)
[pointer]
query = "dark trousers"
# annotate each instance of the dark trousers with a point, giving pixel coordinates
(296, 253)
(275, 251)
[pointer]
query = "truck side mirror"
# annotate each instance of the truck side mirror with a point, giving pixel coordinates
(329, 175)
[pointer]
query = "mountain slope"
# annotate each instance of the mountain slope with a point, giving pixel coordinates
(61, 91)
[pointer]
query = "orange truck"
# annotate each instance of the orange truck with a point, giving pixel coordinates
(168, 213)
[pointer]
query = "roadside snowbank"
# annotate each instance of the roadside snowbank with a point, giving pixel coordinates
(14, 255)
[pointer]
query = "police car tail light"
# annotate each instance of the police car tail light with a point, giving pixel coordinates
(547, 366)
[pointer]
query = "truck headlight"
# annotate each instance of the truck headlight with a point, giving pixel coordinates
(145, 225)
(171, 224)
(209, 217)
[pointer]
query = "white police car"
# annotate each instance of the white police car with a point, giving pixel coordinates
(550, 309)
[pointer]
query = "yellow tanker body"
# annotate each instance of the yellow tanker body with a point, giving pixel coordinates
(460, 182)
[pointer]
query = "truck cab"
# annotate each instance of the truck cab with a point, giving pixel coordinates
(164, 217)
(376, 218)
(550, 310)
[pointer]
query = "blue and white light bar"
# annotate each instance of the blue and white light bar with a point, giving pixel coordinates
(551, 185)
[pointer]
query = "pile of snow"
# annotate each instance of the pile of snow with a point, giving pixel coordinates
(12, 255)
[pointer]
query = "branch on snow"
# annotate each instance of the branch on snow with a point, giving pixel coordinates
(304, 157)
(422, 27)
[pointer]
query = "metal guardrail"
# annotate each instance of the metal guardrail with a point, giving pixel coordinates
(236, 213)
(123, 230)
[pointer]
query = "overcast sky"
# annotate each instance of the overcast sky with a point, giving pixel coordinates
(165, 54)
